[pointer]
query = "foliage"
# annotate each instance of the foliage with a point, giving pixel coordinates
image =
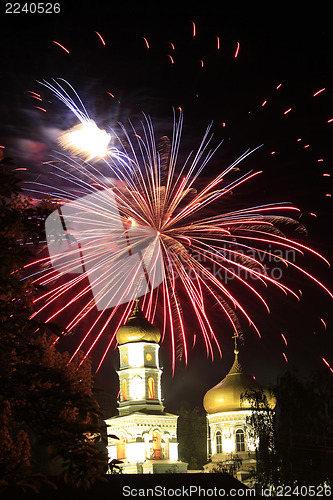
(305, 428)
(114, 466)
(192, 436)
(295, 441)
(230, 465)
(43, 402)
(261, 427)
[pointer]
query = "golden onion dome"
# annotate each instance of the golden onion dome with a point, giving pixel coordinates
(138, 328)
(226, 395)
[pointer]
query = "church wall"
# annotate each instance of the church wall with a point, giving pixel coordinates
(227, 423)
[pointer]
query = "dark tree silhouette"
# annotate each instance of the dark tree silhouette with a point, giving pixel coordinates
(47, 410)
(295, 442)
(192, 435)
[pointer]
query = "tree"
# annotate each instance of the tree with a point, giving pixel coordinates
(45, 403)
(228, 466)
(114, 464)
(192, 435)
(295, 442)
(304, 428)
(261, 431)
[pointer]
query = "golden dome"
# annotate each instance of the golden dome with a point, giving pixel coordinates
(226, 395)
(138, 328)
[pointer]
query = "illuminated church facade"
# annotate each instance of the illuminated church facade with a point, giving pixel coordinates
(229, 434)
(147, 435)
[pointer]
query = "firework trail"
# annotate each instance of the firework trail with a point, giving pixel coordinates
(157, 201)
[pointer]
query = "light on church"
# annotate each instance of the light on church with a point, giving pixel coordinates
(228, 443)
(137, 388)
(135, 355)
(252, 443)
(136, 453)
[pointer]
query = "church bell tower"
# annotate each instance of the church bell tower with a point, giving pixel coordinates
(139, 372)
(146, 440)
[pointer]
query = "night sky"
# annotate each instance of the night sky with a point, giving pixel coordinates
(153, 62)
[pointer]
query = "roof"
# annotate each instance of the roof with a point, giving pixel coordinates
(138, 328)
(226, 395)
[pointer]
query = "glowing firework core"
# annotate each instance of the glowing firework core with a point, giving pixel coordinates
(87, 140)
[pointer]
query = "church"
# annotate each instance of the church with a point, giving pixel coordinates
(227, 412)
(147, 434)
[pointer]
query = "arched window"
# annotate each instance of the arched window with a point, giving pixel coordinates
(151, 388)
(124, 389)
(121, 448)
(240, 440)
(156, 445)
(218, 440)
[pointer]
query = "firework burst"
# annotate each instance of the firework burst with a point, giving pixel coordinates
(137, 191)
